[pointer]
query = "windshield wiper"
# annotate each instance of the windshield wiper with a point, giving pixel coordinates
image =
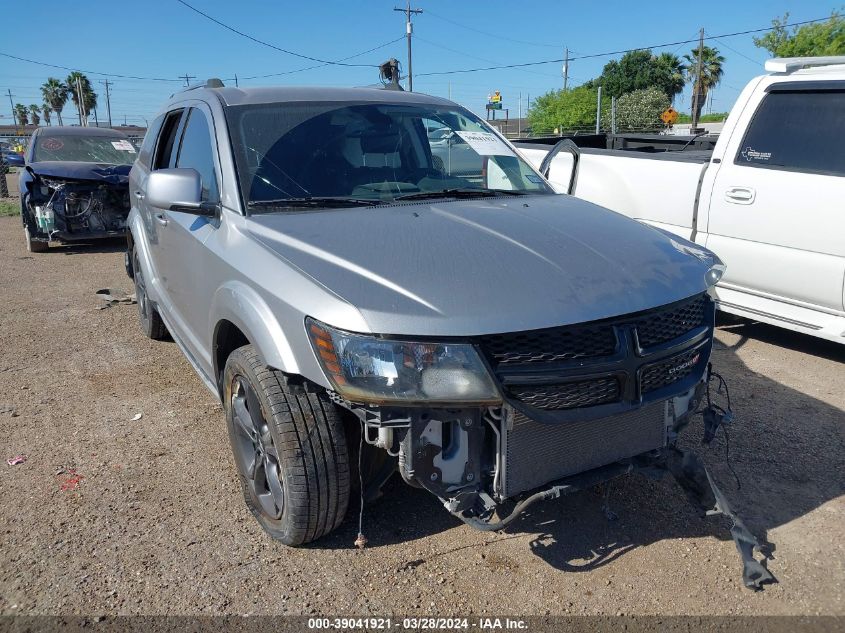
(313, 202)
(460, 193)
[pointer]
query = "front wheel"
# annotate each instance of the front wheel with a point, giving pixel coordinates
(289, 448)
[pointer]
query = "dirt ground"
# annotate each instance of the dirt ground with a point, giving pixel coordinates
(113, 514)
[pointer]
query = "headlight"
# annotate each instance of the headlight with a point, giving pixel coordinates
(381, 371)
(714, 274)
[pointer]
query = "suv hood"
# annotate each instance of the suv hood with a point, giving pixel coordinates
(469, 267)
(77, 170)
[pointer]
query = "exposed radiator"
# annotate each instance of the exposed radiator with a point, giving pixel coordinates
(536, 454)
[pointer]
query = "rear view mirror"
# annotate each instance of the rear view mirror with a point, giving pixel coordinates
(178, 190)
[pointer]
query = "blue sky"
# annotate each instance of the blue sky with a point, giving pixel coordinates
(164, 39)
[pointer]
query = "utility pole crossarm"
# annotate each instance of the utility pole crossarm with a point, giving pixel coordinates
(409, 29)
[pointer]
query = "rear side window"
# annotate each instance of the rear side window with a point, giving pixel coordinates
(196, 151)
(797, 131)
(164, 147)
(145, 155)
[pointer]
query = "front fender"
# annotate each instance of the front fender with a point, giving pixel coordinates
(243, 306)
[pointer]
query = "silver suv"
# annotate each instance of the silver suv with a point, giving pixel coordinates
(336, 283)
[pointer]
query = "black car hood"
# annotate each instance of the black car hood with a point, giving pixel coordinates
(71, 170)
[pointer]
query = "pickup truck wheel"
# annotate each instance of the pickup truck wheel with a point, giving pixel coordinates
(151, 322)
(34, 246)
(289, 448)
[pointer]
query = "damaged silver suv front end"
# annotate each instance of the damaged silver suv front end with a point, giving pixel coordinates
(531, 416)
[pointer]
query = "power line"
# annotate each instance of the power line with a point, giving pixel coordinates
(291, 72)
(488, 34)
(268, 44)
(610, 53)
(87, 72)
(731, 48)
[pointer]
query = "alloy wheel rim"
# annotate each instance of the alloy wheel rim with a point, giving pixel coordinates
(257, 457)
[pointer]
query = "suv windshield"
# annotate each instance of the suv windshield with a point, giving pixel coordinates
(293, 153)
(114, 150)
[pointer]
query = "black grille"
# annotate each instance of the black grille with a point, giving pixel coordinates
(617, 361)
(594, 340)
(671, 370)
(665, 325)
(550, 345)
(571, 395)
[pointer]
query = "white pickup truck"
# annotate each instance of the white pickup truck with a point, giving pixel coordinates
(769, 198)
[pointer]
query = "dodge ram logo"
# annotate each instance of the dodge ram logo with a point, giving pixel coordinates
(684, 365)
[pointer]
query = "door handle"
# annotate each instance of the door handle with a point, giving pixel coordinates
(139, 194)
(161, 218)
(740, 195)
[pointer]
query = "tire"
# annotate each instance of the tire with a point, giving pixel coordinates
(148, 316)
(291, 457)
(34, 246)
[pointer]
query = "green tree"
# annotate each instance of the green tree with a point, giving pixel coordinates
(641, 69)
(55, 94)
(673, 74)
(46, 111)
(77, 82)
(22, 114)
(638, 111)
(711, 75)
(808, 40)
(35, 114)
(564, 110)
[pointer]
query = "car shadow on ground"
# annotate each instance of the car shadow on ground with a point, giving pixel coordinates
(110, 245)
(787, 448)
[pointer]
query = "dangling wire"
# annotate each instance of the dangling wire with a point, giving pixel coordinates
(361, 541)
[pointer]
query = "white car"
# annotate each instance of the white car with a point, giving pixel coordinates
(769, 199)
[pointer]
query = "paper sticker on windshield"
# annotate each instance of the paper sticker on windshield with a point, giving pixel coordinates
(52, 144)
(485, 143)
(534, 178)
(750, 154)
(122, 145)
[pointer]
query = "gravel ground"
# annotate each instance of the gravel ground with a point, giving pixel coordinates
(112, 514)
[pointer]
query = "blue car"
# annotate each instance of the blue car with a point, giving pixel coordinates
(75, 186)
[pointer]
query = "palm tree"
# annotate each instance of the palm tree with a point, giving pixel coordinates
(22, 114)
(46, 111)
(35, 114)
(711, 75)
(76, 83)
(676, 72)
(55, 94)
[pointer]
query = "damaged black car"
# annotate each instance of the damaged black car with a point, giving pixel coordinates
(75, 185)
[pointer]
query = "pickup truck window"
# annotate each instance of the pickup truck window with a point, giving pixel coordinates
(369, 152)
(797, 131)
(196, 151)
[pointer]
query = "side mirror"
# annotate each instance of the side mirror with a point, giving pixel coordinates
(178, 190)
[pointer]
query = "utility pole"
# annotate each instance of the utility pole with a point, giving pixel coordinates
(598, 112)
(519, 119)
(236, 80)
(124, 120)
(12, 104)
(697, 88)
(81, 101)
(409, 29)
(187, 79)
(108, 102)
(566, 69)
